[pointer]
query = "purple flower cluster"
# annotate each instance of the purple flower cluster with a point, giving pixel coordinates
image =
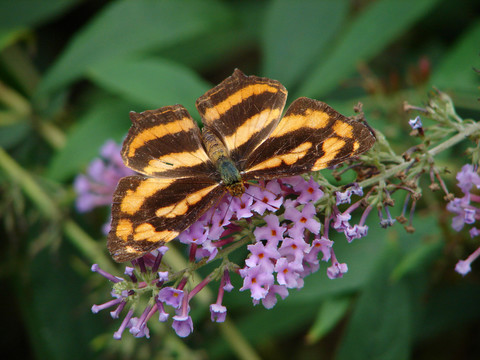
(96, 187)
(467, 210)
(287, 240)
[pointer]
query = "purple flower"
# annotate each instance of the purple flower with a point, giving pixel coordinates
(467, 178)
(171, 296)
(273, 232)
(356, 189)
(218, 312)
(294, 249)
(337, 270)
(207, 250)
(257, 280)
(227, 283)
(341, 221)
(117, 335)
(262, 255)
(415, 123)
(195, 234)
(343, 197)
(288, 273)
(241, 206)
(139, 328)
(463, 267)
(309, 191)
(324, 245)
(183, 325)
(355, 232)
(469, 216)
(96, 187)
(270, 299)
(474, 232)
(266, 199)
(302, 220)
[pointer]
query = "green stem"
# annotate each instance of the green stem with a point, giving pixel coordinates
(468, 130)
(29, 186)
(93, 250)
(49, 210)
(237, 341)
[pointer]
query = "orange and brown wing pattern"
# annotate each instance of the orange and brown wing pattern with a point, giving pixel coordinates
(166, 143)
(242, 111)
(311, 136)
(147, 212)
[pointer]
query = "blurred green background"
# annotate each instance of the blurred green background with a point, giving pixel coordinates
(70, 71)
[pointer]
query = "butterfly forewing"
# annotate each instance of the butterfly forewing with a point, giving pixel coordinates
(242, 111)
(166, 143)
(147, 212)
(311, 136)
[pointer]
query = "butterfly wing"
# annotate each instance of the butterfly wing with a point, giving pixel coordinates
(242, 111)
(311, 136)
(147, 212)
(180, 183)
(166, 143)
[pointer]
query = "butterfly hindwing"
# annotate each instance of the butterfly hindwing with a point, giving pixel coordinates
(166, 143)
(147, 212)
(242, 111)
(311, 136)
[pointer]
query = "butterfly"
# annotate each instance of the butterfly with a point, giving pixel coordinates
(183, 171)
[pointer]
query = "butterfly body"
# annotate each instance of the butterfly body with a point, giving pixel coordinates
(184, 171)
(225, 166)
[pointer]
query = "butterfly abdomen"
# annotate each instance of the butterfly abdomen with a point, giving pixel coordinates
(218, 153)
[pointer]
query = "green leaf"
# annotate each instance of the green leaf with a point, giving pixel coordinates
(369, 33)
(260, 326)
(212, 51)
(107, 119)
(418, 258)
(331, 312)
(56, 308)
(129, 27)
(26, 13)
(151, 82)
(380, 325)
(456, 72)
(296, 34)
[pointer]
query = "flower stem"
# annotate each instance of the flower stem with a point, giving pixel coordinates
(468, 130)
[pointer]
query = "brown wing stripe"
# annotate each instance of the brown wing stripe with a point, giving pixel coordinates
(242, 111)
(233, 89)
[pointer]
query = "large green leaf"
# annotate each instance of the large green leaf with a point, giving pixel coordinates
(456, 72)
(368, 34)
(126, 27)
(296, 34)
(25, 13)
(54, 300)
(381, 323)
(151, 82)
(107, 119)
